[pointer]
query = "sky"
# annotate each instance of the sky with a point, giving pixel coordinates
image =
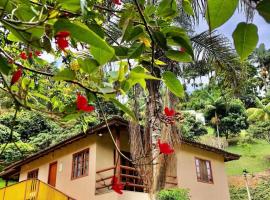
(228, 28)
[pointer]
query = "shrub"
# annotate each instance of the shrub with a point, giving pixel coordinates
(173, 194)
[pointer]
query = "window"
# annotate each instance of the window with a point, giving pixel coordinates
(32, 174)
(204, 171)
(80, 164)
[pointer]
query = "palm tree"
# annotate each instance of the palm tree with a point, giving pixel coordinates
(260, 113)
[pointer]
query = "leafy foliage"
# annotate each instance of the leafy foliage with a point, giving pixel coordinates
(173, 194)
(192, 128)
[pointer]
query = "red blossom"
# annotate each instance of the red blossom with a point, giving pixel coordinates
(38, 53)
(30, 55)
(169, 112)
(82, 104)
(61, 39)
(16, 76)
(23, 55)
(182, 50)
(165, 148)
(117, 2)
(117, 186)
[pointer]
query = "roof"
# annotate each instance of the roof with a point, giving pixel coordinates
(115, 121)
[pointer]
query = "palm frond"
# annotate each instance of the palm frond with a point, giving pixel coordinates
(213, 46)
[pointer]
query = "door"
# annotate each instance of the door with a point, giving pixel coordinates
(52, 174)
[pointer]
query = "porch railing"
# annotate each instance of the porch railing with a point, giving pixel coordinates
(32, 189)
(129, 177)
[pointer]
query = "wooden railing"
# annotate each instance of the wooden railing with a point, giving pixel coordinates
(32, 189)
(129, 177)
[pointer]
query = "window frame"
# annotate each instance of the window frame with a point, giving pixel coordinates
(33, 171)
(211, 171)
(84, 151)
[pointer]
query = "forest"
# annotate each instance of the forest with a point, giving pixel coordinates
(68, 65)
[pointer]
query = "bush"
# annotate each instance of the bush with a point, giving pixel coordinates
(173, 194)
(260, 192)
(260, 130)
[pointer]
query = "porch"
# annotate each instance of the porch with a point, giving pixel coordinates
(128, 176)
(32, 189)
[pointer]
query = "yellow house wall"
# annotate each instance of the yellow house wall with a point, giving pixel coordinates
(187, 178)
(82, 188)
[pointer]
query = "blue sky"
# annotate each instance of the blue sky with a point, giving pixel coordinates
(228, 28)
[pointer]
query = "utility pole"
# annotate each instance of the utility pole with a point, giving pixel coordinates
(245, 173)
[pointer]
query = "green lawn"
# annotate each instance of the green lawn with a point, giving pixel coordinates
(254, 158)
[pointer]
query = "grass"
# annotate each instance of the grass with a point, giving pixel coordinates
(254, 158)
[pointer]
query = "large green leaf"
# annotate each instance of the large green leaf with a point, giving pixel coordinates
(88, 65)
(167, 8)
(177, 36)
(4, 67)
(135, 33)
(245, 39)
(178, 56)
(219, 11)
(173, 84)
(65, 74)
(135, 50)
(82, 33)
(72, 5)
(264, 9)
(138, 75)
(124, 108)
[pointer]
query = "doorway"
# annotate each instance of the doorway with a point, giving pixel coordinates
(52, 174)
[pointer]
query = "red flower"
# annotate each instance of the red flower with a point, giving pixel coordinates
(63, 34)
(117, 2)
(38, 53)
(16, 76)
(182, 50)
(169, 112)
(23, 55)
(30, 55)
(165, 148)
(82, 104)
(61, 40)
(116, 186)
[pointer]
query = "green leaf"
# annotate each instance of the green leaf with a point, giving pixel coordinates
(187, 7)
(123, 68)
(72, 5)
(135, 33)
(138, 75)
(178, 36)
(4, 67)
(124, 108)
(65, 74)
(135, 50)
(100, 49)
(219, 11)
(173, 84)
(12, 37)
(264, 9)
(88, 65)
(160, 39)
(101, 55)
(167, 9)
(245, 39)
(121, 52)
(178, 56)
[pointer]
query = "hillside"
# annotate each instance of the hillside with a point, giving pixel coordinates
(255, 158)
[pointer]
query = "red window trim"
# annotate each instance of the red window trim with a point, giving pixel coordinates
(33, 171)
(72, 168)
(211, 172)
